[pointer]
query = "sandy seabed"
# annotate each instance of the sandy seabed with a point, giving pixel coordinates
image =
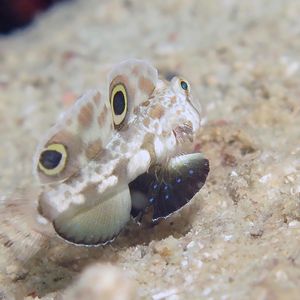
(240, 236)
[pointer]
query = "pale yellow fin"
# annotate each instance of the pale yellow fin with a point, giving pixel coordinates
(139, 79)
(97, 225)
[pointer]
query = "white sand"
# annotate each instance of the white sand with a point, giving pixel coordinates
(239, 238)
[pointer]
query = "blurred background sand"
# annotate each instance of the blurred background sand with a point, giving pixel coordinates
(239, 238)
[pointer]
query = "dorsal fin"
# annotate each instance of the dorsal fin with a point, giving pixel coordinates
(76, 138)
(84, 131)
(139, 80)
(77, 142)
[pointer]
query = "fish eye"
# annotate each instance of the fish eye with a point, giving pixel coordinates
(184, 85)
(119, 105)
(52, 160)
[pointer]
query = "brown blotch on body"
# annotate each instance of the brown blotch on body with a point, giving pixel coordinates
(146, 85)
(146, 122)
(97, 98)
(102, 117)
(85, 116)
(90, 191)
(165, 133)
(75, 179)
(93, 149)
(136, 70)
(173, 99)
(178, 112)
(66, 138)
(136, 110)
(146, 103)
(120, 170)
(157, 111)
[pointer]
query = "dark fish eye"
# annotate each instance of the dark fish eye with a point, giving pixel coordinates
(184, 85)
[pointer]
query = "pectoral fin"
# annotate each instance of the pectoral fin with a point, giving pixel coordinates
(169, 188)
(97, 225)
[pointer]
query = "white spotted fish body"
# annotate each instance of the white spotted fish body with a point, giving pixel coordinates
(119, 151)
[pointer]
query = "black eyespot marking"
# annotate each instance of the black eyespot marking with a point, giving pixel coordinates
(50, 159)
(53, 159)
(119, 103)
(184, 85)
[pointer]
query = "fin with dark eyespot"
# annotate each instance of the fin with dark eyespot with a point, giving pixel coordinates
(97, 225)
(169, 188)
